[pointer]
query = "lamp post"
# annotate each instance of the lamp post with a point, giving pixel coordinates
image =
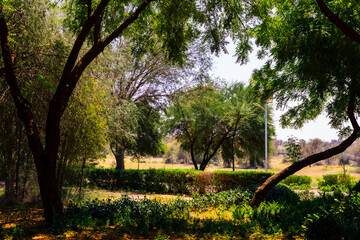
(265, 116)
(266, 155)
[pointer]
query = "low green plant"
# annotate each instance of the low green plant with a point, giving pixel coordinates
(225, 198)
(298, 182)
(336, 182)
(340, 221)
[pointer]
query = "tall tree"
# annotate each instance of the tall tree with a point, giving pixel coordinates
(314, 63)
(141, 85)
(210, 116)
(96, 25)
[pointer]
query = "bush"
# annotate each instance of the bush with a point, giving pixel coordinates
(336, 182)
(143, 215)
(297, 182)
(150, 180)
(225, 198)
(341, 221)
(166, 180)
(225, 180)
(281, 193)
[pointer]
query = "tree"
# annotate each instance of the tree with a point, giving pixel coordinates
(293, 148)
(141, 86)
(247, 139)
(96, 25)
(209, 116)
(313, 62)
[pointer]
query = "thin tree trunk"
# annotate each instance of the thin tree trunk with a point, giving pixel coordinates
(193, 157)
(26, 175)
(82, 174)
(119, 154)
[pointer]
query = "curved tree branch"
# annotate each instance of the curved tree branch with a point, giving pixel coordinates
(262, 191)
(345, 28)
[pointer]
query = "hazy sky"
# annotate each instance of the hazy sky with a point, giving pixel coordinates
(226, 68)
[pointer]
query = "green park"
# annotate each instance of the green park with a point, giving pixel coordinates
(113, 124)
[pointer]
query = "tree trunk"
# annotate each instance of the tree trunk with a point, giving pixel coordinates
(193, 157)
(50, 194)
(82, 174)
(119, 154)
(204, 163)
(9, 178)
(227, 163)
(263, 190)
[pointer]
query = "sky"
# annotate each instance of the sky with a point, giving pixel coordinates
(225, 67)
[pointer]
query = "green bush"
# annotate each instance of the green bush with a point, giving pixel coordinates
(174, 181)
(225, 198)
(143, 215)
(281, 193)
(225, 180)
(336, 182)
(341, 221)
(297, 182)
(150, 180)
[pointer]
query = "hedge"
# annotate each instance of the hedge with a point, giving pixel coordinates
(166, 180)
(226, 180)
(297, 181)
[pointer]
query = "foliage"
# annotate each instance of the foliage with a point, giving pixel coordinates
(168, 180)
(226, 199)
(293, 149)
(225, 180)
(341, 221)
(339, 182)
(310, 61)
(210, 116)
(224, 215)
(126, 213)
(297, 182)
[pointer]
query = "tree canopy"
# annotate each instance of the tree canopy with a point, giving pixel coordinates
(311, 61)
(210, 116)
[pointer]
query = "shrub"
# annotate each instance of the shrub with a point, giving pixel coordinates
(175, 181)
(225, 180)
(281, 193)
(332, 182)
(341, 221)
(225, 198)
(143, 215)
(297, 182)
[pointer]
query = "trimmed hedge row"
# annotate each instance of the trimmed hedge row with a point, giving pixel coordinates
(297, 181)
(167, 180)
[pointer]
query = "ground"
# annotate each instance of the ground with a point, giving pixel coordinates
(32, 221)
